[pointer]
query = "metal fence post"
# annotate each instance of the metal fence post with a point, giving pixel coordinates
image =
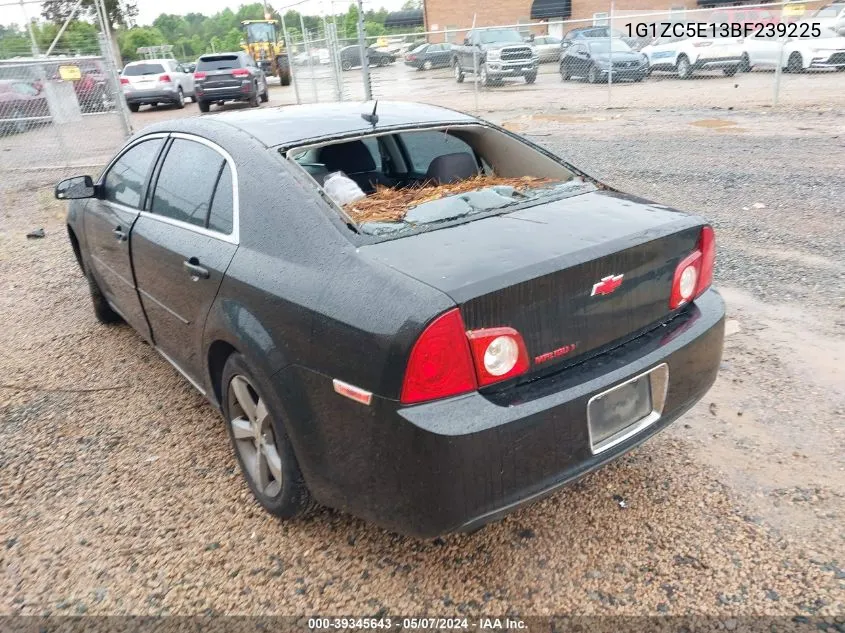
(307, 46)
(289, 52)
(113, 71)
(610, 55)
(365, 60)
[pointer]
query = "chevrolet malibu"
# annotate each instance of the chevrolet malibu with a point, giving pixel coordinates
(401, 311)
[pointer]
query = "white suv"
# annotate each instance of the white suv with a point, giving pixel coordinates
(154, 81)
(685, 55)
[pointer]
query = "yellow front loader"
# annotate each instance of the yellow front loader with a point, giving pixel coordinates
(267, 51)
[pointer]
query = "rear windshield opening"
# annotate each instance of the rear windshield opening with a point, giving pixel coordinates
(218, 62)
(393, 184)
(135, 70)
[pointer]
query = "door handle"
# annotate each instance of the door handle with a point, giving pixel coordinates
(192, 266)
(119, 234)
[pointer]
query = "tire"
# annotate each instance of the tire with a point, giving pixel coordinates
(745, 64)
(795, 64)
(284, 78)
(564, 73)
(265, 96)
(639, 78)
(102, 310)
(530, 78)
(180, 99)
(730, 71)
(683, 67)
(253, 99)
(134, 107)
(346, 65)
(19, 126)
(205, 106)
(385, 61)
(260, 442)
(427, 65)
(483, 78)
(593, 75)
(459, 73)
(193, 98)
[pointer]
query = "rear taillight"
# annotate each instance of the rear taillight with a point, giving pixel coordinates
(165, 79)
(440, 364)
(240, 72)
(447, 360)
(694, 274)
(499, 353)
(124, 81)
(200, 75)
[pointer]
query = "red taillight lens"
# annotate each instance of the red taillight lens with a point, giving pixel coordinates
(200, 75)
(440, 364)
(499, 353)
(165, 79)
(240, 72)
(694, 273)
(124, 81)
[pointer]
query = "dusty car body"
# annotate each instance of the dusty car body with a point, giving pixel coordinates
(428, 372)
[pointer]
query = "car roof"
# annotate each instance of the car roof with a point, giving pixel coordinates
(292, 125)
(149, 61)
(221, 54)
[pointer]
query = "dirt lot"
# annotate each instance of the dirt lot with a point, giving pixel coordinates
(120, 494)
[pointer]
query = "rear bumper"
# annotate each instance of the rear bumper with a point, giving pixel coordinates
(458, 463)
(144, 97)
(720, 62)
(229, 93)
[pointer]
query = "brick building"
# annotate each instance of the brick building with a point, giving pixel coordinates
(535, 15)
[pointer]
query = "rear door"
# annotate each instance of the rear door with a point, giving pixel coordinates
(182, 246)
(109, 220)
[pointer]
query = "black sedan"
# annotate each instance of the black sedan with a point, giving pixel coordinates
(599, 60)
(350, 57)
(428, 368)
(428, 56)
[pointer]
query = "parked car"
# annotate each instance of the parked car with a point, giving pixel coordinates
(222, 77)
(547, 48)
(22, 104)
(683, 56)
(428, 56)
(592, 60)
(499, 54)
(190, 67)
(831, 16)
(594, 32)
(156, 81)
(427, 373)
(796, 54)
(92, 91)
(744, 15)
(350, 57)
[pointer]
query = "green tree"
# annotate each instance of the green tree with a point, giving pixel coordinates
(120, 12)
(133, 39)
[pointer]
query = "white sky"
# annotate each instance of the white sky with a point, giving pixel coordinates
(148, 10)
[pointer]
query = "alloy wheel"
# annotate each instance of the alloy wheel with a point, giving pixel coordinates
(255, 439)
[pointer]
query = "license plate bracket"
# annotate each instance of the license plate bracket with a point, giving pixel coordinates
(626, 409)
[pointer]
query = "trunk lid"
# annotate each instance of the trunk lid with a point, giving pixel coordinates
(218, 71)
(541, 270)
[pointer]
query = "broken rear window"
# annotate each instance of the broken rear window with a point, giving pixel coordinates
(395, 184)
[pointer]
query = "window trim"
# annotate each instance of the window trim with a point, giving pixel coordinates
(234, 236)
(102, 179)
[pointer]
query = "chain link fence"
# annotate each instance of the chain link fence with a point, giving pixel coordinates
(61, 111)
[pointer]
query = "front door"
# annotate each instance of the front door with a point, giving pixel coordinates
(109, 219)
(182, 246)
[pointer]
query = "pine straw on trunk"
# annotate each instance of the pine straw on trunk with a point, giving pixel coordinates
(390, 205)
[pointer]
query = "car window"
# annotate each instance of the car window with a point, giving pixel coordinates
(220, 216)
(186, 182)
(424, 147)
(25, 89)
(218, 62)
(125, 180)
(136, 70)
(372, 145)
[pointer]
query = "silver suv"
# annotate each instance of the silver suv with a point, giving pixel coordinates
(155, 81)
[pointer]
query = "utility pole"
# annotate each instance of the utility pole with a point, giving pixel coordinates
(365, 61)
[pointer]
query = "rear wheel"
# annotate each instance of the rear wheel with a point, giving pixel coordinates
(483, 77)
(265, 96)
(193, 98)
(134, 107)
(427, 65)
(745, 64)
(684, 68)
(346, 65)
(593, 75)
(253, 99)
(260, 442)
(730, 71)
(795, 64)
(459, 72)
(384, 61)
(180, 99)
(205, 106)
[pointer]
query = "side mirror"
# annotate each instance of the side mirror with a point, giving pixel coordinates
(75, 188)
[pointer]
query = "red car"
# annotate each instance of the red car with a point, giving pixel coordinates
(21, 105)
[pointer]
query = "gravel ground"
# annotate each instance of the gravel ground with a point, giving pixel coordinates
(119, 493)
